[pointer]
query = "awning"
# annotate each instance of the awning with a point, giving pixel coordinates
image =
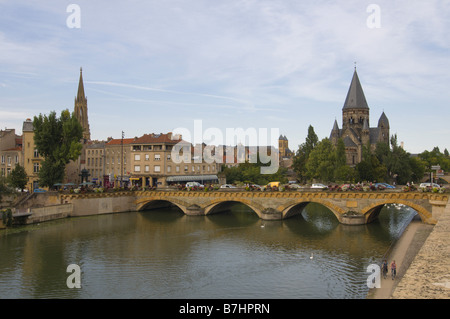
(192, 178)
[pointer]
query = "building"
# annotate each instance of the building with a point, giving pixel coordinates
(10, 151)
(151, 162)
(32, 161)
(284, 152)
(117, 159)
(74, 168)
(356, 131)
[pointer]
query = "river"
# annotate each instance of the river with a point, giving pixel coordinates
(166, 254)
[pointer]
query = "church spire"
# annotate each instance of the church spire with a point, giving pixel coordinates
(80, 94)
(80, 111)
(355, 96)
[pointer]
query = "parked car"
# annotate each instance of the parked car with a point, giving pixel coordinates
(39, 190)
(227, 186)
(385, 185)
(319, 186)
(273, 184)
(434, 185)
(194, 184)
(294, 186)
(256, 187)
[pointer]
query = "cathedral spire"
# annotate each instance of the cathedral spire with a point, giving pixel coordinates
(355, 96)
(80, 111)
(80, 94)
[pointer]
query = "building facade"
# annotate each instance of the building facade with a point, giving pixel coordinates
(356, 131)
(152, 164)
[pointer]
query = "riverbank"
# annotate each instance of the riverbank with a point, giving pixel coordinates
(403, 252)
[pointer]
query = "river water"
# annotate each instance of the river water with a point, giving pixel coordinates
(165, 254)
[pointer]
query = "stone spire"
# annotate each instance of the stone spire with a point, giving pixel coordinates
(80, 110)
(355, 96)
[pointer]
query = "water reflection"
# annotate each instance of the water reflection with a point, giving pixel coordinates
(166, 254)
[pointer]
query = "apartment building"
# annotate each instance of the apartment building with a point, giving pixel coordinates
(151, 162)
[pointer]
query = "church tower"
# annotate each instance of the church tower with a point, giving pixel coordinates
(80, 111)
(355, 111)
(356, 131)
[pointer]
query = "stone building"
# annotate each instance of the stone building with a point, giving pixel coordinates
(32, 161)
(10, 151)
(356, 131)
(151, 162)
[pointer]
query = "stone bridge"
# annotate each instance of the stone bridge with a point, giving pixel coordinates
(351, 208)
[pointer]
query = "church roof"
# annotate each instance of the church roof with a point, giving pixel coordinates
(335, 126)
(383, 121)
(348, 142)
(355, 96)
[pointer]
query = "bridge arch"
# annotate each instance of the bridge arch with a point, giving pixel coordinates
(216, 203)
(287, 209)
(143, 203)
(371, 212)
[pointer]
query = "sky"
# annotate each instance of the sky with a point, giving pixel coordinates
(280, 65)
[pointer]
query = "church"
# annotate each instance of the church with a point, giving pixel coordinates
(356, 131)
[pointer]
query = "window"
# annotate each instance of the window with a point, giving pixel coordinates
(36, 168)
(17, 159)
(147, 168)
(35, 153)
(3, 159)
(137, 157)
(185, 168)
(137, 168)
(168, 157)
(177, 168)
(157, 157)
(157, 168)
(169, 169)
(147, 157)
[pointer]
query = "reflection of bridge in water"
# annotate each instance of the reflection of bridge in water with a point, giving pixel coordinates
(352, 208)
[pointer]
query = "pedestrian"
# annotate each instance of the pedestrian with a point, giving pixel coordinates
(385, 268)
(393, 269)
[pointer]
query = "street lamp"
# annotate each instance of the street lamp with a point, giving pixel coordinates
(121, 162)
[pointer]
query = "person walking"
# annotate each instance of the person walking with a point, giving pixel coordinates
(393, 269)
(384, 268)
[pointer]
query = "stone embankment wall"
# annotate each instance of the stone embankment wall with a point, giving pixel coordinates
(47, 213)
(428, 276)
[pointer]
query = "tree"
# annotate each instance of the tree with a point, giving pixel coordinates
(302, 155)
(18, 177)
(321, 161)
(58, 141)
(397, 163)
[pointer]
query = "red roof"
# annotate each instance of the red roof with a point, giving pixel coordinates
(155, 138)
(119, 141)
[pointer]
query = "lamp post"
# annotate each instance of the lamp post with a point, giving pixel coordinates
(121, 162)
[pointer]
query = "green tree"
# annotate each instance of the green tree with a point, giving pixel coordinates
(302, 155)
(397, 163)
(418, 168)
(321, 162)
(18, 177)
(58, 141)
